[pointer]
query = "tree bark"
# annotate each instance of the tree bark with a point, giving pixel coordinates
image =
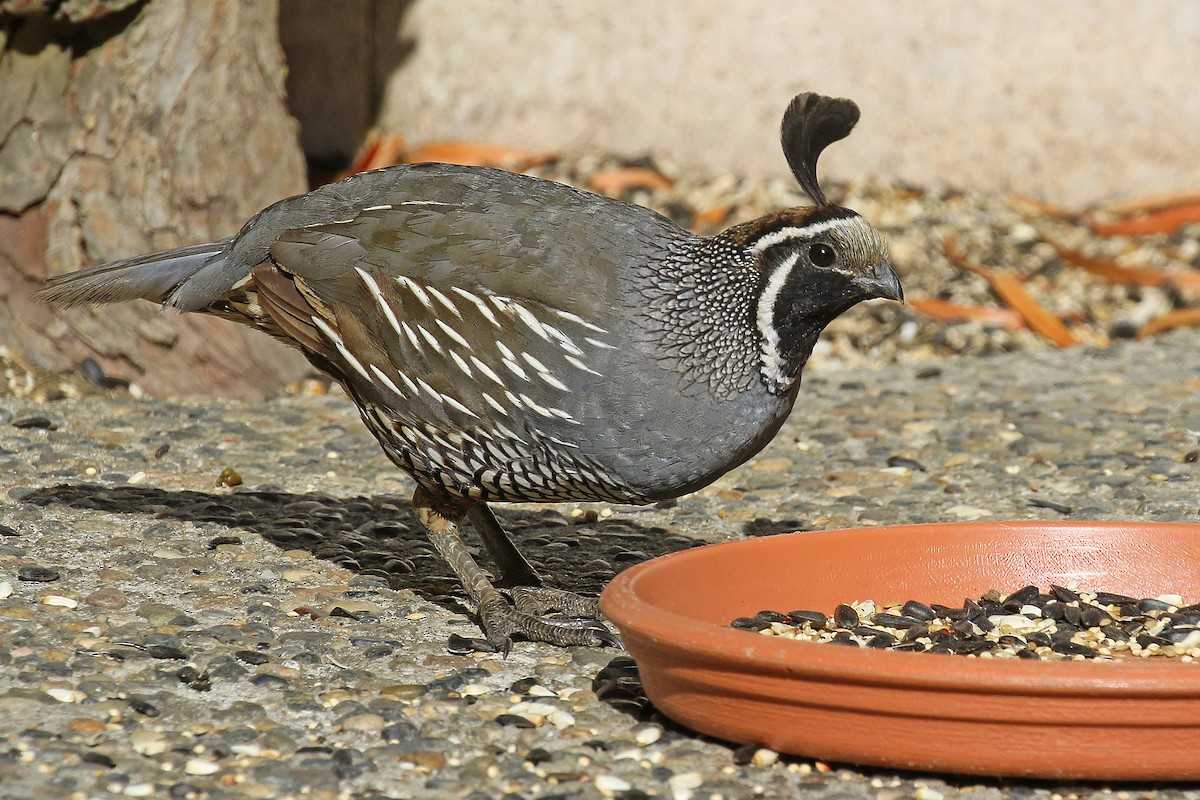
(127, 127)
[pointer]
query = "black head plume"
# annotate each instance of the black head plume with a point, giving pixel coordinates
(811, 123)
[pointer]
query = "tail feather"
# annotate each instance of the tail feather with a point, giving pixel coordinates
(149, 277)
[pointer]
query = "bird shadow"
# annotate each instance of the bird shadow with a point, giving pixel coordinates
(380, 536)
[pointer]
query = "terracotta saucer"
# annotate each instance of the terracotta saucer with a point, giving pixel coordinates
(1135, 720)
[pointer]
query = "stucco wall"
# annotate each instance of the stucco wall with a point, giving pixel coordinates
(1076, 102)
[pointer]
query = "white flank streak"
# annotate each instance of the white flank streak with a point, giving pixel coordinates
(450, 401)
(478, 303)
(564, 341)
(598, 343)
(453, 334)
(341, 346)
(429, 390)
(509, 435)
(412, 337)
(553, 381)
(429, 337)
(576, 362)
(376, 208)
(499, 302)
(417, 291)
(425, 203)
(461, 364)
(579, 320)
(558, 412)
(531, 403)
(486, 370)
(446, 301)
(807, 232)
(386, 380)
(530, 320)
(373, 287)
(533, 362)
(505, 352)
(494, 403)
(772, 361)
(409, 383)
(515, 369)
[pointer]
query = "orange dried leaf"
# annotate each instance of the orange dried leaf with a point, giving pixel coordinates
(474, 154)
(378, 151)
(1031, 205)
(1167, 220)
(1130, 276)
(1149, 205)
(1179, 318)
(710, 219)
(617, 182)
(1011, 291)
(946, 311)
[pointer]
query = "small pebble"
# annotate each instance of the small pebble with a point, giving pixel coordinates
(648, 735)
(37, 574)
(610, 785)
(201, 766)
(66, 695)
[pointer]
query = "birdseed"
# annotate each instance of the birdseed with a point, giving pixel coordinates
(1064, 623)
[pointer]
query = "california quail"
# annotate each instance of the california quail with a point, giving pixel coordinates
(508, 338)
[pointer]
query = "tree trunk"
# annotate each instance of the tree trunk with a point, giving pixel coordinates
(127, 127)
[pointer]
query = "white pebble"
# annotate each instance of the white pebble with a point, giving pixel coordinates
(560, 719)
(201, 766)
(59, 601)
(134, 479)
(1170, 599)
(611, 784)
(250, 749)
(5, 589)
(66, 695)
(530, 708)
(926, 793)
(648, 735)
(685, 781)
(474, 690)
(148, 743)
(537, 690)
(139, 790)
(764, 757)
(1031, 611)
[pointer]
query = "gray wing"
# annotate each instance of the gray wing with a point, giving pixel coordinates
(470, 217)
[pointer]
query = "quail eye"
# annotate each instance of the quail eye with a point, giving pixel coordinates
(822, 255)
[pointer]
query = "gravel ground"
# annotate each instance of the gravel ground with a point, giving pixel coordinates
(161, 636)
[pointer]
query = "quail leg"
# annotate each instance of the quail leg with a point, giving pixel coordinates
(517, 574)
(514, 569)
(442, 519)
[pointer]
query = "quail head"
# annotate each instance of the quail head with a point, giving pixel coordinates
(508, 338)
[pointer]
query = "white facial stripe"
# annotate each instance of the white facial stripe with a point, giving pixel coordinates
(772, 361)
(806, 232)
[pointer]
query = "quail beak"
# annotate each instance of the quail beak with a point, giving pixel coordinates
(884, 283)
